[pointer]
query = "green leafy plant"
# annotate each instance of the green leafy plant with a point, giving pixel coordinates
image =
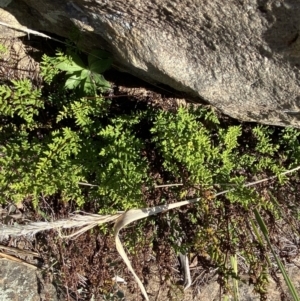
(195, 155)
(3, 49)
(88, 79)
(289, 142)
(20, 100)
(125, 170)
(75, 145)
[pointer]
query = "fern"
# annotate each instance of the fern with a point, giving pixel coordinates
(290, 144)
(20, 100)
(185, 142)
(124, 171)
(264, 145)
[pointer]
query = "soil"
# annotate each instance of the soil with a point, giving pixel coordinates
(83, 268)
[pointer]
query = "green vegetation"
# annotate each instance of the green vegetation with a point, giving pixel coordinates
(86, 79)
(2, 49)
(65, 140)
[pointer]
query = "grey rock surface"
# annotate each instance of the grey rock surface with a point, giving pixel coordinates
(20, 282)
(241, 56)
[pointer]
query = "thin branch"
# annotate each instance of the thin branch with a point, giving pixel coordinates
(220, 193)
(261, 181)
(28, 31)
(87, 184)
(168, 185)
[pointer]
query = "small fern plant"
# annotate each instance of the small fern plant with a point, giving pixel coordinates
(186, 145)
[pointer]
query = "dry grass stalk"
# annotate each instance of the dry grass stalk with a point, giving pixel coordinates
(85, 222)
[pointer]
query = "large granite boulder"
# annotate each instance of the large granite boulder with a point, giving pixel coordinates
(241, 56)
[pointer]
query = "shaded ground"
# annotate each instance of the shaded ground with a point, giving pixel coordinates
(83, 268)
